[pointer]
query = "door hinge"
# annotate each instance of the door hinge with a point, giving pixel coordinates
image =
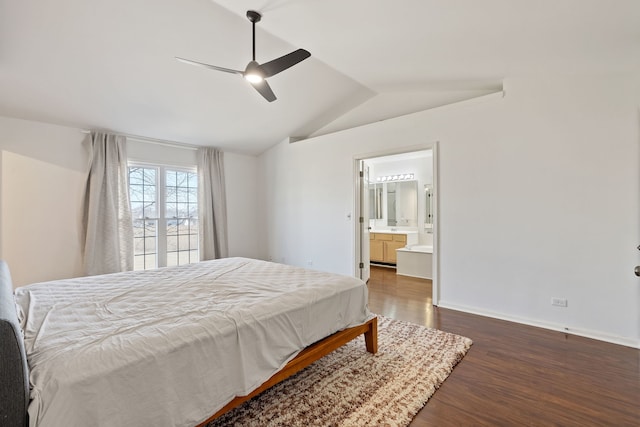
(361, 174)
(361, 219)
(361, 265)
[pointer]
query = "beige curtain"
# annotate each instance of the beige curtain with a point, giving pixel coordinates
(212, 204)
(108, 226)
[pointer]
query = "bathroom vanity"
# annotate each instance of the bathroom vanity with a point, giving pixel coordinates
(383, 244)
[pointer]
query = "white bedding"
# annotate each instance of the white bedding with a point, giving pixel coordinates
(170, 347)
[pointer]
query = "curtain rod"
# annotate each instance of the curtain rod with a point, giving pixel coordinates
(155, 141)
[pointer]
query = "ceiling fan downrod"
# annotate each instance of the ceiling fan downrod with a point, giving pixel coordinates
(254, 17)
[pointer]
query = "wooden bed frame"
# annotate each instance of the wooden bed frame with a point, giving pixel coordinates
(306, 357)
(14, 370)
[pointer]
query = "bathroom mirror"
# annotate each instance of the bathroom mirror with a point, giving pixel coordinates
(402, 203)
(428, 215)
(375, 201)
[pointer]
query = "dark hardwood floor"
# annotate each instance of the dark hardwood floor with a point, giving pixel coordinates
(516, 375)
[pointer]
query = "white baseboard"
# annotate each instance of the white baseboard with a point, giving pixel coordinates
(413, 275)
(596, 335)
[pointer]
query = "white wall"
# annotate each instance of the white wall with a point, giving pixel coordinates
(538, 198)
(308, 200)
(43, 175)
(243, 207)
(42, 181)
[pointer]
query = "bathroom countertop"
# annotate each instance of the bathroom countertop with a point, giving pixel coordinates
(393, 231)
(425, 249)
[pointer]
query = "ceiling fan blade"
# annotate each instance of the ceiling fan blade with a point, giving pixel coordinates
(265, 90)
(272, 68)
(209, 66)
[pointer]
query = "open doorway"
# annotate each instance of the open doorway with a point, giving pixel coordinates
(397, 211)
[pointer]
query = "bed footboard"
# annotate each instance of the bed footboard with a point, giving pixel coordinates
(307, 356)
(14, 373)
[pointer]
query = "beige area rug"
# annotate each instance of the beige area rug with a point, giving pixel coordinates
(351, 387)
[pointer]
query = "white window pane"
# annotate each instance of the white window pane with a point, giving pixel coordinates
(149, 193)
(171, 178)
(193, 241)
(193, 180)
(193, 210)
(135, 175)
(137, 210)
(136, 193)
(150, 245)
(172, 194)
(150, 210)
(172, 259)
(150, 261)
(172, 227)
(193, 195)
(150, 228)
(182, 210)
(138, 245)
(182, 179)
(138, 262)
(183, 242)
(138, 228)
(149, 176)
(172, 243)
(182, 194)
(183, 257)
(171, 210)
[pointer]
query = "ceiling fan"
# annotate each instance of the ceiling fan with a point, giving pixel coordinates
(256, 73)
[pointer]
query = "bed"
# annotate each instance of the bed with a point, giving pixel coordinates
(177, 346)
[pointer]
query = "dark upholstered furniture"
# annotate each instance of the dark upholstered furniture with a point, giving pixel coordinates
(14, 371)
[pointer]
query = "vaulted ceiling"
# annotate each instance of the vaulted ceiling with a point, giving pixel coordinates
(110, 64)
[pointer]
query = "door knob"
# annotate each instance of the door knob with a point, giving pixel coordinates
(637, 270)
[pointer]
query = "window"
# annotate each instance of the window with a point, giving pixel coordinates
(164, 206)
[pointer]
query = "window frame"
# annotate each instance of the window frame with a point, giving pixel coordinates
(161, 208)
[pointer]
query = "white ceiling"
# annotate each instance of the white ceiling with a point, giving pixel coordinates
(110, 64)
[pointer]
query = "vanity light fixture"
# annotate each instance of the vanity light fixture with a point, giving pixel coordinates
(400, 177)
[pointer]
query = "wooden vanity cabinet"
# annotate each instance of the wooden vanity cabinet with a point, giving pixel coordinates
(376, 249)
(382, 246)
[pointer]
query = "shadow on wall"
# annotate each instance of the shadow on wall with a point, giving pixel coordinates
(41, 219)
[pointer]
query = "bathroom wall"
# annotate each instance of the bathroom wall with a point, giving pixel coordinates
(422, 168)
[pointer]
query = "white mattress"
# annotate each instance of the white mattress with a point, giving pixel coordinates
(170, 347)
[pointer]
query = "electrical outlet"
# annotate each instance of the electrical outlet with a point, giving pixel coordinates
(559, 302)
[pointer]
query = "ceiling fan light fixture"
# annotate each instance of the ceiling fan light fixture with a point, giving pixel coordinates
(253, 77)
(253, 73)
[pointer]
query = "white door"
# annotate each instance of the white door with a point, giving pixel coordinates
(364, 222)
